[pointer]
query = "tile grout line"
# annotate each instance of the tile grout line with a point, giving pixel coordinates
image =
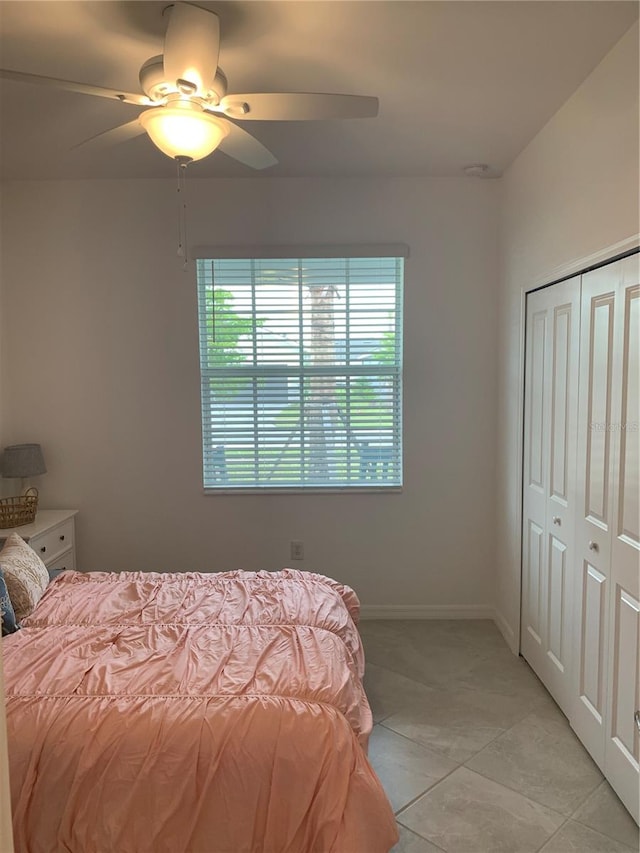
(574, 819)
(381, 720)
(452, 686)
(422, 745)
(444, 754)
(552, 836)
(529, 797)
(591, 829)
(412, 802)
(395, 672)
(419, 797)
(423, 838)
(577, 809)
(606, 834)
(417, 743)
(526, 796)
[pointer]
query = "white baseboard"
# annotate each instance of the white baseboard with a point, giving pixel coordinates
(426, 611)
(507, 632)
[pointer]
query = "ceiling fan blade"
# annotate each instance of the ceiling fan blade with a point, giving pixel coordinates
(290, 106)
(71, 86)
(115, 135)
(244, 147)
(191, 47)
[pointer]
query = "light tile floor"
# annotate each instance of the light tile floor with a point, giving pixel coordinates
(474, 754)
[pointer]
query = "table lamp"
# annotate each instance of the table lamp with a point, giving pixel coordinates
(23, 461)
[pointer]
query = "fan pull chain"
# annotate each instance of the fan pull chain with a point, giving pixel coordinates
(183, 246)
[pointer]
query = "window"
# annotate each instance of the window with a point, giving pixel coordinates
(301, 368)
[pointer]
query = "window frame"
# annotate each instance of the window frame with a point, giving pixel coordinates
(388, 250)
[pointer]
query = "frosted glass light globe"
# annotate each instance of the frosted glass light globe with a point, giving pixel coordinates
(183, 129)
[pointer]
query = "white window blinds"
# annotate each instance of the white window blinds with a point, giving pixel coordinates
(301, 368)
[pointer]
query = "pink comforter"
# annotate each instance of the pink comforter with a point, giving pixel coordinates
(192, 713)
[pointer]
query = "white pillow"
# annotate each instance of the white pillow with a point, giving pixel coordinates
(25, 574)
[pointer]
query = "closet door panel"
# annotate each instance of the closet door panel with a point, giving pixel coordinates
(560, 403)
(551, 387)
(563, 358)
(535, 477)
(598, 416)
(593, 639)
(538, 402)
(557, 604)
(593, 512)
(622, 748)
(628, 508)
(535, 582)
(624, 730)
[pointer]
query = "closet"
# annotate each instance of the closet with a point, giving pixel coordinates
(581, 510)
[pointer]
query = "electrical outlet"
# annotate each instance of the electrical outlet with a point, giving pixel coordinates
(297, 549)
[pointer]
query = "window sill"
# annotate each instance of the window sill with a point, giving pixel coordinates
(308, 490)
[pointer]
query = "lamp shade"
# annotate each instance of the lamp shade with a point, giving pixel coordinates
(183, 129)
(23, 460)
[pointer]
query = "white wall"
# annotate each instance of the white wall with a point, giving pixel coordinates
(101, 333)
(570, 195)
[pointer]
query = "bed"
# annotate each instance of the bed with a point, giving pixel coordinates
(192, 713)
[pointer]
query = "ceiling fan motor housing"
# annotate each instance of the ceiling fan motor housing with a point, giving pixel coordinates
(157, 88)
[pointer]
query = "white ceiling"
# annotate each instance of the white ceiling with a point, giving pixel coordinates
(458, 82)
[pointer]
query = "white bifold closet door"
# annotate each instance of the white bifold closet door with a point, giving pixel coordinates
(607, 528)
(581, 510)
(622, 753)
(593, 520)
(551, 397)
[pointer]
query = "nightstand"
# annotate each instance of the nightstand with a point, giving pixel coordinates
(52, 537)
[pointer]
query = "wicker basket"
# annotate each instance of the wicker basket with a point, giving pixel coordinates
(14, 512)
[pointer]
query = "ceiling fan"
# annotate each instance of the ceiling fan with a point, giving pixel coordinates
(188, 108)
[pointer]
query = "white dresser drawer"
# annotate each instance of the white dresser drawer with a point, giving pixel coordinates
(50, 544)
(64, 563)
(53, 530)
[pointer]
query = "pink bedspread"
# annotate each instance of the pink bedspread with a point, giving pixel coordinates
(192, 713)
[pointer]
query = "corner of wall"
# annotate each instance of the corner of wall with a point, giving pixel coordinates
(510, 636)
(556, 214)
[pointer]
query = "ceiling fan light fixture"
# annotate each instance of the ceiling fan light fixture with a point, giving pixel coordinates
(183, 129)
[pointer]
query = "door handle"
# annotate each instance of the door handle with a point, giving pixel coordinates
(593, 546)
(557, 520)
(636, 717)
